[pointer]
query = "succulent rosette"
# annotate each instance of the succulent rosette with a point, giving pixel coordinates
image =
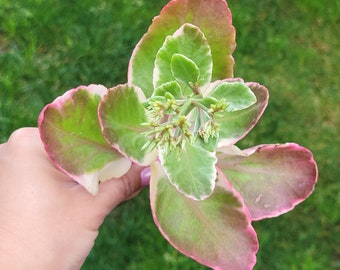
(181, 113)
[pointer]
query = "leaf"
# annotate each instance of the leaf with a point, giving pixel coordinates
(189, 46)
(212, 17)
(210, 145)
(215, 232)
(233, 126)
(121, 114)
(271, 178)
(170, 87)
(237, 95)
(184, 70)
(191, 170)
(71, 134)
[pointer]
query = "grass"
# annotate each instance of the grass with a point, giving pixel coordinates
(48, 47)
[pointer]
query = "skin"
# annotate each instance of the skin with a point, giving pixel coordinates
(47, 220)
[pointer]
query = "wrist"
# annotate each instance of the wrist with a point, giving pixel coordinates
(21, 249)
(16, 253)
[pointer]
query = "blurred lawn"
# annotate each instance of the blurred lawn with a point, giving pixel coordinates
(292, 47)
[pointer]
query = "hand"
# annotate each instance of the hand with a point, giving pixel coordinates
(47, 220)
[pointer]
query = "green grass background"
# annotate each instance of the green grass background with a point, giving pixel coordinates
(292, 47)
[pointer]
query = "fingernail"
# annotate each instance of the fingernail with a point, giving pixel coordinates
(145, 176)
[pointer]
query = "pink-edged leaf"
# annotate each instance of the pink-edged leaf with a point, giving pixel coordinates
(271, 178)
(234, 125)
(121, 115)
(71, 134)
(215, 232)
(212, 17)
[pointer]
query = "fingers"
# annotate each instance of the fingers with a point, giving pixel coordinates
(145, 176)
(113, 192)
(25, 146)
(26, 143)
(25, 138)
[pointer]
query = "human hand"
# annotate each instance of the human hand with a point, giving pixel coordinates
(47, 220)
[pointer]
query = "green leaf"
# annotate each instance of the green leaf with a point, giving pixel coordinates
(212, 17)
(121, 115)
(187, 45)
(208, 101)
(184, 70)
(237, 95)
(210, 145)
(233, 126)
(70, 131)
(191, 170)
(216, 232)
(170, 87)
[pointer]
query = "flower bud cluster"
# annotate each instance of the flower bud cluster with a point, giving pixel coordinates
(170, 123)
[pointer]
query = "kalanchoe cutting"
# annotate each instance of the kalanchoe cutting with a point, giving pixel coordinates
(181, 113)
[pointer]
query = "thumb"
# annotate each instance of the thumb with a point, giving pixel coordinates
(115, 191)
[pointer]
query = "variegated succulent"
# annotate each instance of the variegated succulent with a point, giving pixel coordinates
(181, 113)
